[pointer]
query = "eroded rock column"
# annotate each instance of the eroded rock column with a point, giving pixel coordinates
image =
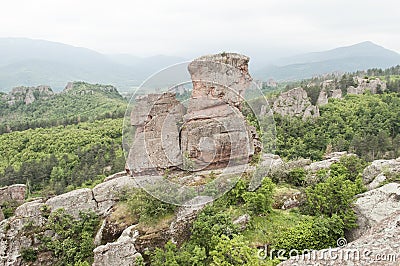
(215, 133)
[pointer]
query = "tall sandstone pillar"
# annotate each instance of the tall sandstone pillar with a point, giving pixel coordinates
(211, 133)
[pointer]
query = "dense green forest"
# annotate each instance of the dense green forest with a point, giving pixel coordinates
(367, 125)
(83, 102)
(58, 159)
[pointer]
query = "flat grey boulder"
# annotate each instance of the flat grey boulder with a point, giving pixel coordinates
(374, 206)
(378, 167)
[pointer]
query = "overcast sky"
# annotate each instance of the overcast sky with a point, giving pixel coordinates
(190, 28)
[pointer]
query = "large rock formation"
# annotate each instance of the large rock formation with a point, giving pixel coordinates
(295, 102)
(13, 195)
(213, 133)
(12, 236)
(83, 88)
(28, 94)
(326, 93)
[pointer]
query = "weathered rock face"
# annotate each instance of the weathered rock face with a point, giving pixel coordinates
(213, 133)
(15, 192)
(295, 102)
(374, 206)
(28, 94)
(100, 200)
(322, 98)
(179, 229)
(83, 88)
(372, 85)
(121, 252)
(218, 79)
(380, 168)
(325, 94)
(156, 144)
(377, 246)
(12, 236)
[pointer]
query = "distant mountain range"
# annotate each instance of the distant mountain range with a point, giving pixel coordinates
(27, 62)
(361, 56)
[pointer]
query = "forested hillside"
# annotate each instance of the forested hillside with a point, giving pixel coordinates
(367, 125)
(58, 159)
(80, 102)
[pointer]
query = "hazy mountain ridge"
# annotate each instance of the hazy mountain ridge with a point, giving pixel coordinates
(352, 58)
(26, 62)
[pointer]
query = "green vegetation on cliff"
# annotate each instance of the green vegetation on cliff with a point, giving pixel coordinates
(68, 241)
(321, 219)
(58, 159)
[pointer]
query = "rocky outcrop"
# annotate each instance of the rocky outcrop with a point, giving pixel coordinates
(121, 252)
(83, 88)
(179, 229)
(100, 200)
(374, 206)
(12, 236)
(329, 160)
(364, 84)
(212, 133)
(215, 133)
(74, 202)
(325, 94)
(295, 102)
(378, 246)
(376, 173)
(156, 144)
(15, 192)
(28, 94)
(322, 98)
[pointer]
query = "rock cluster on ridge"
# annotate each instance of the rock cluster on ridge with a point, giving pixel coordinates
(295, 102)
(28, 94)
